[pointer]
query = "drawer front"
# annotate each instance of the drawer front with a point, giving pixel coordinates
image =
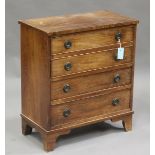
(94, 106)
(91, 39)
(89, 61)
(76, 86)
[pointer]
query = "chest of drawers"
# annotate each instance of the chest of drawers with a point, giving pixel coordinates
(74, 74)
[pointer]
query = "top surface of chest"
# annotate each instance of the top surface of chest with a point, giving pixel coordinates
(79, 22)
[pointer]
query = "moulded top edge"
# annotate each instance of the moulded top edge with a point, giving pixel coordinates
(56, 25)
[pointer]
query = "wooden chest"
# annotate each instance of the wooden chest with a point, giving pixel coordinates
(76, 70)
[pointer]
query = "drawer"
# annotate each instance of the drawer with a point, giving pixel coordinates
(91, 39)
(87, 62)
(74, 87)
(90, 107)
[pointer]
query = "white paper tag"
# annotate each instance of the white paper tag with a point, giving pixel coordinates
(120, 53)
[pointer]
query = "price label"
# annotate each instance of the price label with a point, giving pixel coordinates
(120, 53)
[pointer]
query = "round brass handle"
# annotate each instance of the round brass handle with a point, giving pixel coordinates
(117, 78)
(68, 66)
(68, 44)
(115, 101)
(66, 112)
(66, 88)
(118, 36)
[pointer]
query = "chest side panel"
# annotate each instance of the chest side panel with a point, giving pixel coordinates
(35, 75)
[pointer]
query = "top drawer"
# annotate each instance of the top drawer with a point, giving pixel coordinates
(91, 39)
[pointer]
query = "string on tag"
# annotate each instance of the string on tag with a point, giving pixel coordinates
(119, 42)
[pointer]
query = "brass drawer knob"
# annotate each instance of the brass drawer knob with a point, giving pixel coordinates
(66, 112)
(115, 101)
(117, 78)
(68, 66)
(66, 88)
(68, 44)
(118, 36)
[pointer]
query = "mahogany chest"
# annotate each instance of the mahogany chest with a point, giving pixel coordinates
(76, 70)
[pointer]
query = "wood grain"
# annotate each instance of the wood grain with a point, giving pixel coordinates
(35, 75)
(90, 107)
(49, 137)
(133, 67)
(89, 94)
(93, 71)
(90, 50)
(127, 122)
(26, 128)
(59, 25)
(91, 39)
(89, 83)
(89, 61)
(45, 106)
